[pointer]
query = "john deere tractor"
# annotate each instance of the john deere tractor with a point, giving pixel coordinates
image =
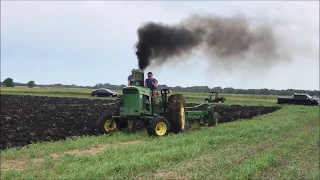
(135, 109)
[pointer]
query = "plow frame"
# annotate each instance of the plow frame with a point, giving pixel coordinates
(200, 115)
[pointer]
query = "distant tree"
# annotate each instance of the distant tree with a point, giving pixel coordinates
(31, 84)
(8, 82)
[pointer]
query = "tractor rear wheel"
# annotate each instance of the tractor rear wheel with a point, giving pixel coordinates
(214, 119)
(106, 124)
(176, 113)
(158, 127)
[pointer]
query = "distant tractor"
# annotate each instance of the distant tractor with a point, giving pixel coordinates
(135, 108)
(217, 99)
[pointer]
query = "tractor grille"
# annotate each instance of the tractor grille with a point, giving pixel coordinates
(131, 98)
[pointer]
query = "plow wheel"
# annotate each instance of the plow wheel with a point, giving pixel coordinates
(176, 113)
(158, 127)
(214, 119)
(106, 124)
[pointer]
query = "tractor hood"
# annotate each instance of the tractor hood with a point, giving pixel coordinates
(142, 90)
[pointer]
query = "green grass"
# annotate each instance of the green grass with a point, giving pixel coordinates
(281, 145)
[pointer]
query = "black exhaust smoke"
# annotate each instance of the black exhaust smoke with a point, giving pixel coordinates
(221, 38)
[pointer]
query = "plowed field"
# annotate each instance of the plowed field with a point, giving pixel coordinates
(27, 119)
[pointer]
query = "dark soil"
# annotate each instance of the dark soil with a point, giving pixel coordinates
(27, 119)
(34, 118)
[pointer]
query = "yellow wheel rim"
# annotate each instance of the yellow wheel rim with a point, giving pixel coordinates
(161, 128)
(130, 124)
(110, 125)
(182, 116)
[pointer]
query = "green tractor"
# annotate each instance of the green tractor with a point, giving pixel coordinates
(135, 110)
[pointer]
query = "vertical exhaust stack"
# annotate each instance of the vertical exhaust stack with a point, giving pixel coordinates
(138, 77)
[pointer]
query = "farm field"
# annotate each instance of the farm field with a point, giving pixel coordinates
(242, 99)
(282, 143)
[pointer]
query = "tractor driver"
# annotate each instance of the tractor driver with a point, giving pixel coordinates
(129, 79)
(152, 84)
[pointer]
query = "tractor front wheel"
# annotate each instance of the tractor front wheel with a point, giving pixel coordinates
(158, 127)
(106, 124)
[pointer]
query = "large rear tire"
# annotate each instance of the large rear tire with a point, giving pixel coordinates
(176, 113)
(158, 127)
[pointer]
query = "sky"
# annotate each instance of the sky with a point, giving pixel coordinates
(85, 43)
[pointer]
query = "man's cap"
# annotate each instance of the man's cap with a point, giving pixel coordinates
(149, 73)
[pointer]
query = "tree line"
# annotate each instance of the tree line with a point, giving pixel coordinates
(10, 83)
(200, 89)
